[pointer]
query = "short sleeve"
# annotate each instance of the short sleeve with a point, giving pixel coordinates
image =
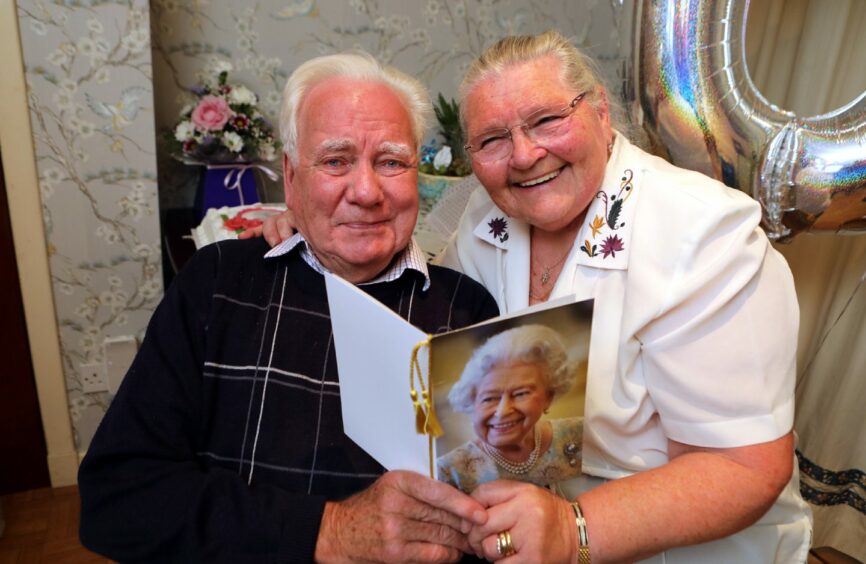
(719, 358)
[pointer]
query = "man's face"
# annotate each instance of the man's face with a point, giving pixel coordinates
(353, 190)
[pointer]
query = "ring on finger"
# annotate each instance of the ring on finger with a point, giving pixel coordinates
(503, 544)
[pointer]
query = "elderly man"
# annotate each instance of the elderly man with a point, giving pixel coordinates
(225, 441)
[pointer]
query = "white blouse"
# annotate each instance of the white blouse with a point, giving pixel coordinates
(694, 333)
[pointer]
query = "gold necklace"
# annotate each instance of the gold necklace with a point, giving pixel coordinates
(545, 275)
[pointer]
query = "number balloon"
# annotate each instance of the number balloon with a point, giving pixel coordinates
(701, 110)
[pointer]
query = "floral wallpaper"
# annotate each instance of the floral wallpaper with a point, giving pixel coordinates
(264, 41)
(108, 78)
(88, 71)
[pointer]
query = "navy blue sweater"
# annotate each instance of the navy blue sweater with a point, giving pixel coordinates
(196, 459)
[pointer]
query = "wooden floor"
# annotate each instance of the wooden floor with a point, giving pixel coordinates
(42, 526)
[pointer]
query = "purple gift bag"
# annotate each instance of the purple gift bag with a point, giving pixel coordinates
(225, 185)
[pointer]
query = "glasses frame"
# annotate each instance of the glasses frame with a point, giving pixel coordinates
(524, 125)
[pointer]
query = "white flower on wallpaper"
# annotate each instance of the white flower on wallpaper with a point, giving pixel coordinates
(88, 74)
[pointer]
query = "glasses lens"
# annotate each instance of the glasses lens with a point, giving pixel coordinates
(491, 145)
(547, 125)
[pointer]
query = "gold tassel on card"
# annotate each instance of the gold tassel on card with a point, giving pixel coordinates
(426, 422)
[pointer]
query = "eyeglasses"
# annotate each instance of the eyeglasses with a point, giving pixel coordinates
(542, 126)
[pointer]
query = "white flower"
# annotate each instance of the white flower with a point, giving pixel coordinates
(95, 25)
(442, 160)
(57, 58)
(272, 99)
(219, 66)
(68, 47)
(83, 310)
(135, 41)
(38, 27)
(150, 289)
(46, 189)
(233, 141)
(63, 100)
(107, 233)
(268, 152)
(242, 95)
(102, 76)
(142, 250)
(115, 281)
(86, 129)
(53, 175)
(184, 130)
(69, 85)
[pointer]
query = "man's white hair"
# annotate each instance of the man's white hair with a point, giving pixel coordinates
(357, 65)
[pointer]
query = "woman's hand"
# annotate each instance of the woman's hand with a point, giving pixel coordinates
(275, 228)
(541, 525)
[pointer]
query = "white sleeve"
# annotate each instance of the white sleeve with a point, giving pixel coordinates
(719, 356)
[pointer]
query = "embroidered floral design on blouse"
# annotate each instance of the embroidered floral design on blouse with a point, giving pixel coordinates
(611, 245)
(499, 228)
(613, 204)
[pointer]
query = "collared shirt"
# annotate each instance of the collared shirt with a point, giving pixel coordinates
(410, 258)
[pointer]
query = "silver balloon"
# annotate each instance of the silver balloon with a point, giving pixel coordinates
(702, 111)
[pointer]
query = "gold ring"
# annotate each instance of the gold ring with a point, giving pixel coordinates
(503, 544)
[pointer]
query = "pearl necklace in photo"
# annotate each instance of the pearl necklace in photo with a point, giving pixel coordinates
(515, 467)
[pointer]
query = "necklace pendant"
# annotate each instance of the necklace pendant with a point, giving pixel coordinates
(545, 277)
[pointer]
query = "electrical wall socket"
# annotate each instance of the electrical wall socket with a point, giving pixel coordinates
(93, 377)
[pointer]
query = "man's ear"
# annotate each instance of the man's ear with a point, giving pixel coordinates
(288, 180)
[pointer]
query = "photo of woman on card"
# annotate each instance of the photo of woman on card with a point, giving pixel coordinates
(518, 405)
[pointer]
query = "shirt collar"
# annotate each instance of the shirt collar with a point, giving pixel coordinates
(410, 258)
(605, 237)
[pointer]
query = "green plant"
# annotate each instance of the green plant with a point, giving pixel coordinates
(448, 116)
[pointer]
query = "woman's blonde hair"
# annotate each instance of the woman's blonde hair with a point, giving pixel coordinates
(575, 68)
(357, 65)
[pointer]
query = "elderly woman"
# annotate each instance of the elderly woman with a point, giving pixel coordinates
(690, 392)
(690, 395)
(508, 384)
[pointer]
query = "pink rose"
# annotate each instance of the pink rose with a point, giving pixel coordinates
(211, 114)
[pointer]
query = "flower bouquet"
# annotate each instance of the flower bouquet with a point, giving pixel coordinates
(224, 132)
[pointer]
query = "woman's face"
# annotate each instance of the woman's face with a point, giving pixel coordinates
(509, 400)
(547, 185)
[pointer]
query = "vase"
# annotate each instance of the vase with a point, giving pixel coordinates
(225, 185)
(431, 187)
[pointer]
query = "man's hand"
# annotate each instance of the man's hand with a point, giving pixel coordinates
(275, 228)
(402, 517)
